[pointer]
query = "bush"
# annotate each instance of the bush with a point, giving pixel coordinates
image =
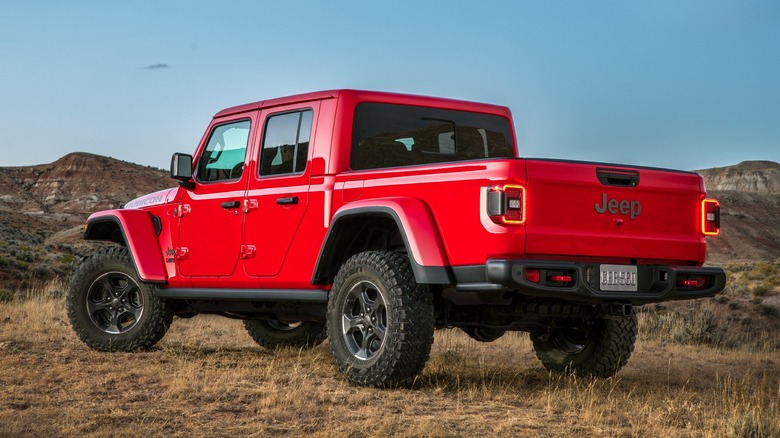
(700, 328)
(42, 272)
(68, 259)
(765, 269)
(762, 271)
(760, 290)
(767, 310)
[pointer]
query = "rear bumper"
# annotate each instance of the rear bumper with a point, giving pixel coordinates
(654, 283)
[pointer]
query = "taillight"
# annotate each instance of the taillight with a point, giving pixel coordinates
(710, 217)
(506, 204)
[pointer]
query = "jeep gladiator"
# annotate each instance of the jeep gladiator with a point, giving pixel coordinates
(373, 219)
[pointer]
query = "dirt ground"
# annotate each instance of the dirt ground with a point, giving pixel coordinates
(208, 378)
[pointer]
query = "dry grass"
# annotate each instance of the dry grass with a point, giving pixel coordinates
(208, 378)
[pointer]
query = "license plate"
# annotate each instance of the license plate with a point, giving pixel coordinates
(618, 278)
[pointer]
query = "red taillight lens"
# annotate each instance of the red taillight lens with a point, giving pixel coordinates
(710, 217)
(506, 204)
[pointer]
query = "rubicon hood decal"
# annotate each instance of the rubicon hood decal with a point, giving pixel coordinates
(155, 198)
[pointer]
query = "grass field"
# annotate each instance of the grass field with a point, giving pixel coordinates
(208, 378)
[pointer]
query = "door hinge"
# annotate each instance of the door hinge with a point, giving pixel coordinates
(249, 205)
(181, 253)
(247, 251)
(181, 211)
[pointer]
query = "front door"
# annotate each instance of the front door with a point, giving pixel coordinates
(210, 214)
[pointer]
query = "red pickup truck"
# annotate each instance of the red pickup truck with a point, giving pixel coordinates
(374, 218)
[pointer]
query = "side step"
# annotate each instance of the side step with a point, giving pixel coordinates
(304, 295)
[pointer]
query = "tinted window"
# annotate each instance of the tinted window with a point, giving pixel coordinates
(387, 135)
(223, 158)
(286, 143)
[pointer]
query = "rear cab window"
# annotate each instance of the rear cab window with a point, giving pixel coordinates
(389, 135)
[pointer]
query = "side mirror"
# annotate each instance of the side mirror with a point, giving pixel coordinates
(181, 169)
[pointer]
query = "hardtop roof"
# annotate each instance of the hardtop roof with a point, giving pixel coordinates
(368, 96)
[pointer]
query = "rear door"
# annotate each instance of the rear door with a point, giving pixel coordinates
(278, 192)
(607, 211)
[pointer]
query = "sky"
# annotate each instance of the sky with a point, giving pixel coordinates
(685, 84)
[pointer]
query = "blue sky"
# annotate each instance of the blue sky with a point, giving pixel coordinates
(685, 84)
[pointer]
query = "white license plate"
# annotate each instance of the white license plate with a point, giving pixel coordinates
(618, 278)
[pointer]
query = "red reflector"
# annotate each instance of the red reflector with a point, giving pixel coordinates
(561, 278)
(691, 283)
(532, 275)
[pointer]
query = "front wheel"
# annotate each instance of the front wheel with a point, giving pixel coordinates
(380, 321)
(273, 334)
(597, 347)
(110, 309)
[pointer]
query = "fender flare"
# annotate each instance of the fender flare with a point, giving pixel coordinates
(135, 229)
(418, 230)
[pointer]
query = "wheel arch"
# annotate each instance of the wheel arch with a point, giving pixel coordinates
(408, 220)
(135, 229)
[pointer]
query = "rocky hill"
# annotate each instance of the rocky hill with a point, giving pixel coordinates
(42, 209)
(747, 177)
(75, 184)
(750, 205)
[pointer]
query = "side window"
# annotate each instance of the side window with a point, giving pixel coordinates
(223, 157)
(387, 135)
(286, 143)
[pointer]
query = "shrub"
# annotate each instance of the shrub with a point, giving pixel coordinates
(760, 290)
(42, 272)
(68, 259)
(767, 310)
(700, 328)
(765, 269)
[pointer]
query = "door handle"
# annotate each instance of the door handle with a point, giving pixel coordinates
(291, 200)
(231, 204)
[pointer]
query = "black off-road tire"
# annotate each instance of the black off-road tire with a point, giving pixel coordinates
(593, 347)
(110, 309)
(380, 321)
(272, 334)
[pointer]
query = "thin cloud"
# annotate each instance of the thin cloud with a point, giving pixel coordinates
(155, 67)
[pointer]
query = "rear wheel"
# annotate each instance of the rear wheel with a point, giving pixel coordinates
(596, 347)
(380, 321)
(110, 309)
(272, 334)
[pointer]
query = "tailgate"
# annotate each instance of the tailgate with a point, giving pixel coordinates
(606, 211)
